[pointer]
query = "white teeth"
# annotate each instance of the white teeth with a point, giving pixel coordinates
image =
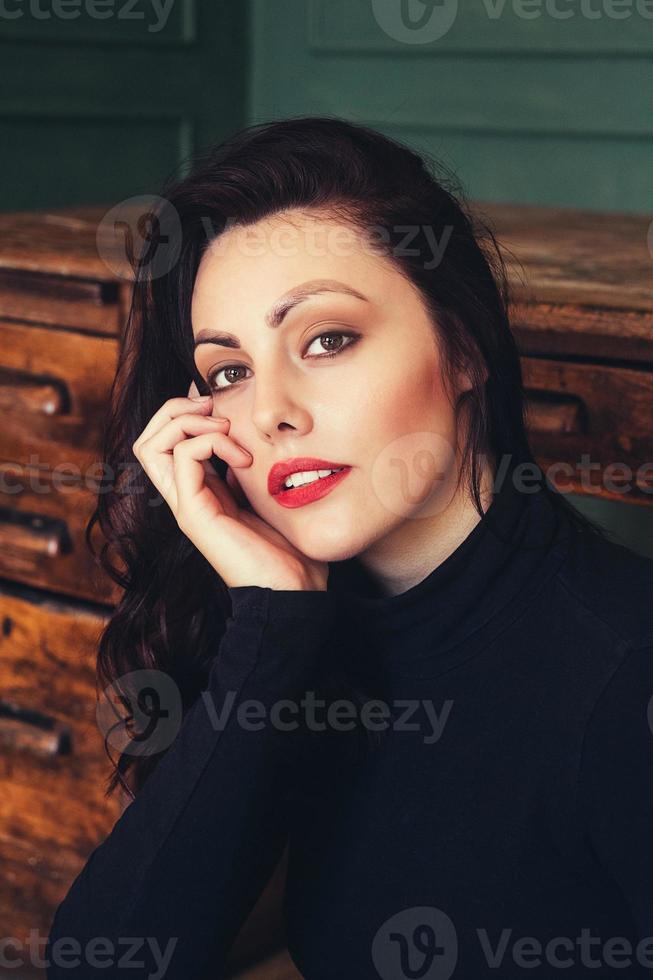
(307, 476)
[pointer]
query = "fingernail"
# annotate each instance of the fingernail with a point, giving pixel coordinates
(200, 398)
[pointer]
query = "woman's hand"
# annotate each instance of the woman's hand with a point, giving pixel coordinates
(174, 449)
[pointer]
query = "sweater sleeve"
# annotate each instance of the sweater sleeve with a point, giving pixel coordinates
(616, 783)
(169, 888)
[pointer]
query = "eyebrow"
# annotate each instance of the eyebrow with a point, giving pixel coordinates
(277, 313)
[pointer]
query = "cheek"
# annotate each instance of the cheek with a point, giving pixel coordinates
(412, 396)
(410, 441)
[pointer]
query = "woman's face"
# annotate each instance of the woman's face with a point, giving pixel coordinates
(378, 407)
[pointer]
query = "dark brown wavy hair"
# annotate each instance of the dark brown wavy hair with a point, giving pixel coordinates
(173, 608)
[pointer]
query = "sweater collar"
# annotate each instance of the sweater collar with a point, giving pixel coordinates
(519, 541)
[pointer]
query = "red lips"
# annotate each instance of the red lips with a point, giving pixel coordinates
(279, 472)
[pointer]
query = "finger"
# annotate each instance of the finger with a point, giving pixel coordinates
(156, 452)
(189, 472)
(170, 410)
(176, 429)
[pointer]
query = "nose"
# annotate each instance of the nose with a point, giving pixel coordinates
(279, 404)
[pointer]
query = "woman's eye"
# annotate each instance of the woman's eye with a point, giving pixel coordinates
(330, 351)
(228, 371)
(231, 369)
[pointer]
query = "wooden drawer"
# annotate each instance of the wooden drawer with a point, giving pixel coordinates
(54, 389)
(56, 268)
(42, 528)
(86, 304)
(54, 767)
(601, 411)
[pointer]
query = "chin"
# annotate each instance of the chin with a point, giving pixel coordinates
(329, 544)
(325, 551)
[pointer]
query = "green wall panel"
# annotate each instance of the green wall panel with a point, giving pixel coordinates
(105, 21)
(540, 169)
(88, 161)
(501, 26)
(529, 110)
(97, 110)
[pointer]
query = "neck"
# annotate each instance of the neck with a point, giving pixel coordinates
(412, 550)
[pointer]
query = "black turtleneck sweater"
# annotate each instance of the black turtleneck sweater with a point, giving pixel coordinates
(473, 799)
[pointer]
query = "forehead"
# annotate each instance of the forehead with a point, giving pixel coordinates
(256, 264)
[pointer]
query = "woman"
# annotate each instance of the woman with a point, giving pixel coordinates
(449, 668)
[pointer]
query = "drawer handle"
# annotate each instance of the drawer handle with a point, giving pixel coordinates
(553, 413)
(24, 393)
(22, 730)
(33, 533)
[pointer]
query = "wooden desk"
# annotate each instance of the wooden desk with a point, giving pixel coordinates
(582, 314)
